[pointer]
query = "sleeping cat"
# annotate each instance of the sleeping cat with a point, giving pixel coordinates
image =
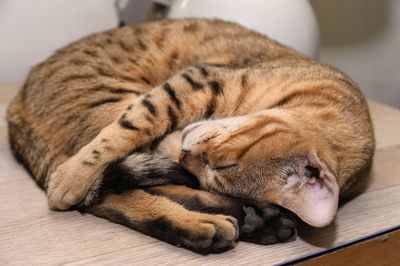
(117, 123)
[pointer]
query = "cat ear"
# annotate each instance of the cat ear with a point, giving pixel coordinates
(312, 194)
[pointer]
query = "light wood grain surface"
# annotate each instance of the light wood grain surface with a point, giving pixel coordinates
(30, 234)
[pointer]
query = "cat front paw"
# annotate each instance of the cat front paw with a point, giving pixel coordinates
(70, 184)
(204, 233)
(268, 225)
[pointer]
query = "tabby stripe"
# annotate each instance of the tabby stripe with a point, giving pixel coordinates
(137, 31)
(115, 90)
(96, 154)
(77, 77)
(104, 101)
(172, 62)
(87, 163)
(111, 214)
(145, 80)
(243, 92)
(109, 40)
(211, 108)
(312, 104)
(53, 71)
(133, 61)
(91, 53)
(77, 61)
(104, 72)
(172, 95)
(218, 181)
(215, 87)
(110, 74)
(126, 78)
(260, 124)
(125, 123)
(221, 65)
(191, 27)
(202, 70)
(316, 92)
(243, 80)
(115, 59)
(267, 135)
(124, 46)
(159, 40)
(172, 118)
(142, 45)
(149, 119)
(195, 85)
(155, 142)
(149, 105)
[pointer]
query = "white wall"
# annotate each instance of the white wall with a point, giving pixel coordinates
(362, 37)
(30, 30)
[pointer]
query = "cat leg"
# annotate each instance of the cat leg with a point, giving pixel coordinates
(194, 93)
(169, 221)
(259, 223)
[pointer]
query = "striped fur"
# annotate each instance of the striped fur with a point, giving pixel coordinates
(113, 113)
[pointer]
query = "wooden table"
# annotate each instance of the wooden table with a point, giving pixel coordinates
(30, 234)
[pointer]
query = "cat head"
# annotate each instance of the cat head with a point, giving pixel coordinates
(263, 161)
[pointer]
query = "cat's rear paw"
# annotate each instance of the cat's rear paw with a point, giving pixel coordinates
(268, 225)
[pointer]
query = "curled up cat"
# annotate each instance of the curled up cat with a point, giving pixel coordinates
(197, 132)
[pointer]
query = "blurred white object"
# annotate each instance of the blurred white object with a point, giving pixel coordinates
(291, 22)
(31, 30)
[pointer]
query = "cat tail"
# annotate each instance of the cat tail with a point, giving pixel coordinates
(135, 171)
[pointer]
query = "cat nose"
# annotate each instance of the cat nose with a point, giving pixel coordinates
(183, 155)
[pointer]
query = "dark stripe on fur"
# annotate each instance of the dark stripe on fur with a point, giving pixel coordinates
(173, 60)
(202, 70)
(91, 53)
(172, 95)
(116, 90)
(211, 108)
(87, 163)
(195, 85)
(104, 101)
(172, 118)
(124, 46)
(77, 77)
(126, 123)
(145, 80)
(142, 45)
(215, 87)
(316, 93)
(150, 106)
(111, 74)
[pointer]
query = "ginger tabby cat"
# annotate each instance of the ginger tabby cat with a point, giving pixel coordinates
(117, 123)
